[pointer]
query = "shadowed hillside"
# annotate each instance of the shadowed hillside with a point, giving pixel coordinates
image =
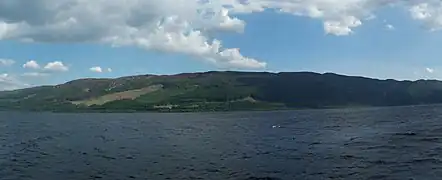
(219, 91)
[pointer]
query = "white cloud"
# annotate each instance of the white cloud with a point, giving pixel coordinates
(56, 66)
(342, 27)
(429, 70)
(6, 62)
(9, 82)
(178, 26)
(430, 12)
(31, 65)
(35, 74)
(390, 27)
(341, 17)
(185, 26)
(96, 69)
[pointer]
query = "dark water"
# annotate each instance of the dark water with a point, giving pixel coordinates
(377, 143)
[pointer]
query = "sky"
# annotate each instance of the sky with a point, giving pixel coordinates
(45, 42)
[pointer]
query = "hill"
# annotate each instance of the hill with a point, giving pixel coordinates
(220, 91)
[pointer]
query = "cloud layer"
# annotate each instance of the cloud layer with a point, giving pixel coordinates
(8, 82)
(6, 62)
(184, 26)
(34, 74)
(179, 26)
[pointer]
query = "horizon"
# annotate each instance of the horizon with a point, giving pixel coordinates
(60, 41)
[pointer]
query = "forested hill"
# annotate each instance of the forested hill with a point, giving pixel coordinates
(216, 91)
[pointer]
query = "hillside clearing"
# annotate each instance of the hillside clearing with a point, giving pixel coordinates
(126, 95)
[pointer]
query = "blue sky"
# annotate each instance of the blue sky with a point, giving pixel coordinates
(361, 37)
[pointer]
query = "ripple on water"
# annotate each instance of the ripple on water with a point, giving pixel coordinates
(379, 143)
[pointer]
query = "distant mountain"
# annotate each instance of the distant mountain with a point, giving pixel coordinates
(219, 91)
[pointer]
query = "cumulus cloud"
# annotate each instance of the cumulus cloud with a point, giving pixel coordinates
(96, 69)
(429, 70)
(56, 66)
(8, 82)
(179, 26)
(6, 62)
(31, 65)
(185, 26)
(109, 69)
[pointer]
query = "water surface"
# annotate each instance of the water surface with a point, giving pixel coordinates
(375, 143)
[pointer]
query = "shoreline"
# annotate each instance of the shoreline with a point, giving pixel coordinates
(207, 111)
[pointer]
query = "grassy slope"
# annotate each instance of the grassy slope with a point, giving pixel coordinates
(125, 95)
(214, 91)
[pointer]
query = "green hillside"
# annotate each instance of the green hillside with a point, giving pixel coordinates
(222, 91)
